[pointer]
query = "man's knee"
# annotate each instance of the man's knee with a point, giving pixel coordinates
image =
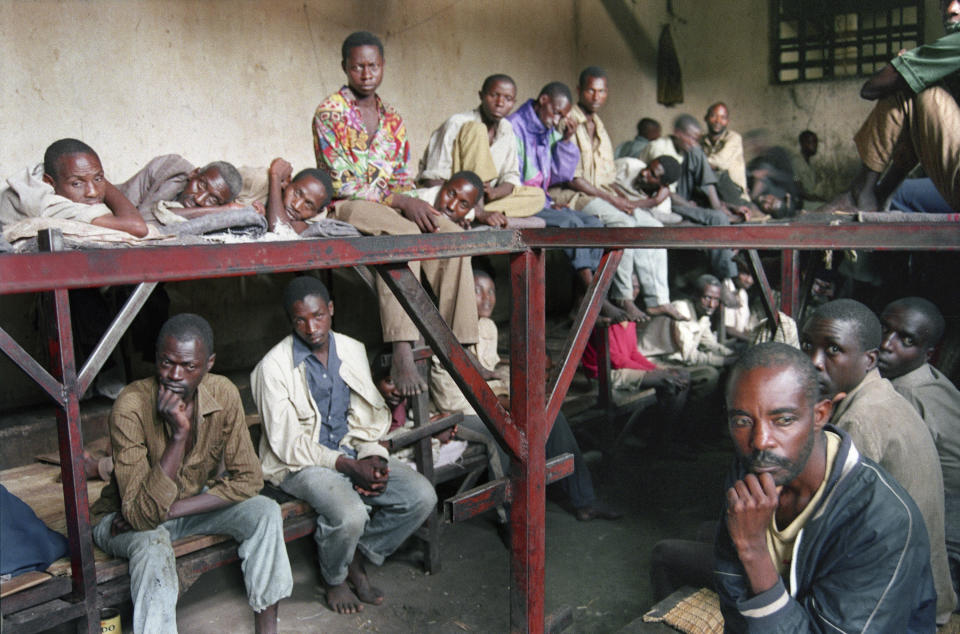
(590, 221)
(349, 519)
(256, 512)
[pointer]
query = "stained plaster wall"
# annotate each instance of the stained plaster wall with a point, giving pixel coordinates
(239, 79)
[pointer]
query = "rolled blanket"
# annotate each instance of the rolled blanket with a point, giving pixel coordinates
(330, 228)
(245, 220)
(902, 216)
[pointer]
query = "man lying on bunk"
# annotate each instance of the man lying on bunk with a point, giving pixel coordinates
(171, 181)
(185, 465)
(70, 185)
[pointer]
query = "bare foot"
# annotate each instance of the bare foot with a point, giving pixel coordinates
(342, 600)
(633, 313)
(614, 313)
(357, 576)
(667, 309)
(403, 370)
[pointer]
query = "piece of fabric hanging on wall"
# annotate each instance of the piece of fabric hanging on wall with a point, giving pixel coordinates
(669, 75)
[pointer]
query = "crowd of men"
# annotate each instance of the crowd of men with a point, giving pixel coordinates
(842, 509)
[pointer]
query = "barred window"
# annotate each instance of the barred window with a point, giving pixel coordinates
(814, 40)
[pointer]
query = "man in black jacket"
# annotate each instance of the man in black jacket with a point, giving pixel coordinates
(814, 537)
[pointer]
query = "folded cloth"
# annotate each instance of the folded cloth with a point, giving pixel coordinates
(330, 228)
(245, 220)
(902, 216)
(75, 231)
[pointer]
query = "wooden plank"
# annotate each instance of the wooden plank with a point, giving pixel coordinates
(22, 582)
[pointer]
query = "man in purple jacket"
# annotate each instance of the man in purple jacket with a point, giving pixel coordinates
(548, 157)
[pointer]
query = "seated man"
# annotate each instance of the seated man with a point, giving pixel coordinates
(547, 157)
(813, 535)
(697, 181)
(916, 119)
(690, 342)
(371, 181)
(323, 419)
(482, 141)
(842, 338)
(773, 183)
(190, 191)
(647, 130)
(809, 187)
(69, 184)
(912, 328)
(639, 180)
(593, 191)
(184, 465)
(739, 320)
(576, 488)
(724, 151)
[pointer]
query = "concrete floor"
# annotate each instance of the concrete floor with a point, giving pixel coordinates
(598, 569)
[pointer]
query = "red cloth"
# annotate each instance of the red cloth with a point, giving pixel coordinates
(399, 415)
(622, 340)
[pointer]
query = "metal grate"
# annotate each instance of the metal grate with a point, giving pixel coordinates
(815, 40)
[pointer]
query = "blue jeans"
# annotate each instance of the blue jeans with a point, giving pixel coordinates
(570, 219)
(255, 523)
(343, 522)
(919, 195)
(649, 265)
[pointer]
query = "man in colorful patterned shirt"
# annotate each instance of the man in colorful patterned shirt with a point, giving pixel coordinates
(370, 183)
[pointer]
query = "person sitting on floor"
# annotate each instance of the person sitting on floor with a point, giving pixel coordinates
(323, 419)
(548, 156)
(593, 191)
(812, 532)
(724, 151)
(184, 465)
(647, 130)
(912, 328)
(697, 182)
(170, 183)
(69, 184)
(842, 339)
(916, 119)
(739, 320)
(362, 144)
(577, 488)
(482, 141)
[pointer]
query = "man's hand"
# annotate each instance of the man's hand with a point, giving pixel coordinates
(492, 218)
(368, 475)
(280, 170)
(173, 411)
(119, 525)
(569, 127)
(751, 503)
(418, 212)
(491, 193)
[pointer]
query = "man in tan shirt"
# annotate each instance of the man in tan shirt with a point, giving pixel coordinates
(724, 150)
(184, 465)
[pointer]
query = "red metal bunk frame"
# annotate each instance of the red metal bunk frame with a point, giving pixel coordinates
(534, 404)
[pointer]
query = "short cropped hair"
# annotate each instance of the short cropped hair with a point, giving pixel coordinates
(671, 169)
(866, 324)
(686, 122)
(929, 311)
(806, 134)
(556, 89)
(51, 157)
(380, 366)
(492, 79)
(590, 72)
(470, 177)
(645, 123)
(704, 281)
(319, 175)
(357, 39)
(299, 288)
(712, 106)
(187, 327)
(230, 176)
(773, 354)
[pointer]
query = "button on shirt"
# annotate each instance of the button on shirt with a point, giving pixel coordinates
(330, 394)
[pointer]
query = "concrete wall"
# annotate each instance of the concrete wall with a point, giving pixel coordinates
(240, 79)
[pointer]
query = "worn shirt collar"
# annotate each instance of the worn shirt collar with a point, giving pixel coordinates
(352, 100)
(503, 126)
(301, 350)
(531, 121)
